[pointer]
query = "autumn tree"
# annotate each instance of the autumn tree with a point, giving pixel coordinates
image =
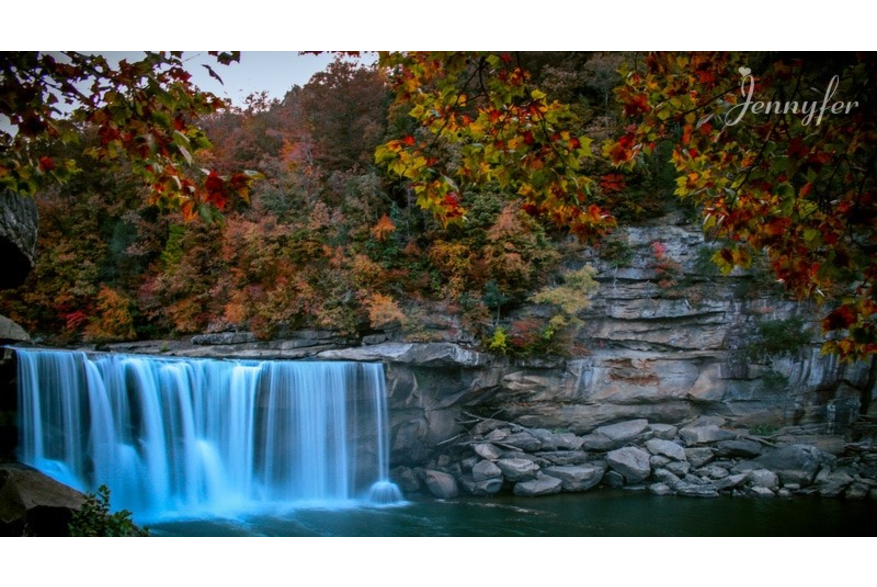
(779, 153)
(144, 112)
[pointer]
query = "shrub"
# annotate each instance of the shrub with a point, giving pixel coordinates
(779, 338)
(94, 518)
(569, 298)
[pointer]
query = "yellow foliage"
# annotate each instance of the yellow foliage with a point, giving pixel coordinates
(383, 228)
(569, 298)
(113, 321)
(383, 311)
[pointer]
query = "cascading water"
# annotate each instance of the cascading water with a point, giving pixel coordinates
(194, 437)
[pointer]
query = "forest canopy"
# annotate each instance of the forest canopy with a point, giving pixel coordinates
(450, 178)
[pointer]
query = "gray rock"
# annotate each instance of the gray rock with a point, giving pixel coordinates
(222, 338)
(731, 481)
(485, 470)
(660, 489)
(745, 467)
(487, 426)
(487, 451)
(764, 478)
(857, 490)
(695, 435)
(406, 479)
(614, 479)
(624, 432)
(34, 504)
(835, 484)
(497, 435)
(12, 332)
(547, 439)
(698, 457)
(664, 431)
(666, 448)
(742, 448)
(568, 441)
(794, 463)
(542, 486)
(665, 476)
(18, 238)
(430, 354)
(657, 461)
(784, 493)
(518, 469)
(631, 462)
(714, 472)
(441, 485)
(564, 457)
(680, 468)
(374, 338)
(523, 440)
(481, 488)
(469, 462)
(696, 489)
(761, 492)
(709, 421)
(597, 442)
(576, 478)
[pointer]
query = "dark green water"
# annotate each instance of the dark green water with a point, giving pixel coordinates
(600, 513)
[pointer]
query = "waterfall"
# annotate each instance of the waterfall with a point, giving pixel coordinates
(200, 437)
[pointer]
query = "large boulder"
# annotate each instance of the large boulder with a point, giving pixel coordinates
(631, 462)
(708, 434)
(542, 486)
(33, 504)
(18, 238)
(616, 435)
(795, 463)
(576, 478)
(666, 448)
(736, 449)
(441, 485)
(12, 332)
(484, 470)
(518, 469)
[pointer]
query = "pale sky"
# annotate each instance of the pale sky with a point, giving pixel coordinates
(273, 71)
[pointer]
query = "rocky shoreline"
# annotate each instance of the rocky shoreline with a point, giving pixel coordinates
(700, 459)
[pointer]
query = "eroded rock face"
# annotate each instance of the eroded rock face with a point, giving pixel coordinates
(18, 238)
(32, 504)
(10, 332)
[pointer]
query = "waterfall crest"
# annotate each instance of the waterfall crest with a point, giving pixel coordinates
(194, 437)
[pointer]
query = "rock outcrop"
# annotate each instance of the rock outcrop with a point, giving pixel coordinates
(18, 238)
(32, 504)
(671, 466)
(11, 333)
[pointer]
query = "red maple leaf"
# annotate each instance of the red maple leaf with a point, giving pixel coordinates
(840, 319)
(46, 164)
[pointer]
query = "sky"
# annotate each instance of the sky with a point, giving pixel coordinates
(272, 71)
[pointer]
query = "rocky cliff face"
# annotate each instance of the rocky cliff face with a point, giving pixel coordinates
(666, 339)
(18, 238)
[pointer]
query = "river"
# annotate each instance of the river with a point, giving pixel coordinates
(596, 513)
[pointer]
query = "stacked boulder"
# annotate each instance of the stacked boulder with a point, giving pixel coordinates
(700, 459)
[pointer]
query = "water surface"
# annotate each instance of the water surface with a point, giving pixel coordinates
(596, 513)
